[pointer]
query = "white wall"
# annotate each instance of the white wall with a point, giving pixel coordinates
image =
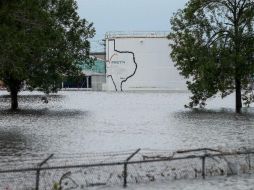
(155, 69)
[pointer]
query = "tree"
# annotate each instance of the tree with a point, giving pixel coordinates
(213, 46)
(41, 42)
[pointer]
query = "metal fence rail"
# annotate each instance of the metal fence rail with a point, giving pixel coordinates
(133, 167)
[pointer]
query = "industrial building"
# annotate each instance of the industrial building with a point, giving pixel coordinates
(137, 61)
(94, 77)
(140, 61)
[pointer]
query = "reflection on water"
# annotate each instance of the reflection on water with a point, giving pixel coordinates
(42, 113)
(220, 114)
(12, 143)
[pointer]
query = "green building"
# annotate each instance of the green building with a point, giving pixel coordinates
(94, 76)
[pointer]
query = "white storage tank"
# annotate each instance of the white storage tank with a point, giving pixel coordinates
(140, 61)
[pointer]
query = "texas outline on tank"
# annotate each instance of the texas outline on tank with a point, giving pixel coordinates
(141, 62)
(118, 61)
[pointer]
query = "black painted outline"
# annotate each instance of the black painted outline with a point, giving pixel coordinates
(113, 81)
(134, 60)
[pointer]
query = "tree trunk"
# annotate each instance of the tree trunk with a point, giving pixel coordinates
(14, 87)
(14, 99)
(238, 96)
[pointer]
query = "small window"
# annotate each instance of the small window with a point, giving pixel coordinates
(78, 82)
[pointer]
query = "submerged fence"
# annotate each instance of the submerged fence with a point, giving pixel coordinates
(81, 171)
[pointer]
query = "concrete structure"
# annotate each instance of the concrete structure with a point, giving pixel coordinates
(97, 72)
(140, 61)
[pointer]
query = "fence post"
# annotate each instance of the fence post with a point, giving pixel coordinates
(203, 166)
(125, 167)
(37, 185)
(37, 179)
(125, 174)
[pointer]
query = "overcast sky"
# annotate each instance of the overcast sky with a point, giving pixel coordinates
(128, 15)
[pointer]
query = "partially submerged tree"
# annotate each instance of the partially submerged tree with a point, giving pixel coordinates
(213, 46)
(41, 41)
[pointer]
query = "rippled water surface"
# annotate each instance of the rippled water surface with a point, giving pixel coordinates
(74, 122)
(219, 183)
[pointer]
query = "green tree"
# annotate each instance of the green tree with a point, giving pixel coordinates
(41, 42)
(213, 46)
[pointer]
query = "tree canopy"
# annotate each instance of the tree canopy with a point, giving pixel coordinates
(213, 47)
(41, 41)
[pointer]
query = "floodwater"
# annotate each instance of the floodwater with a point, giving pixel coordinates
(244, 182)
(78, 122)
(94, 122)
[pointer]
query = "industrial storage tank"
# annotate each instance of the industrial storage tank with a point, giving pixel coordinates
(140, 61)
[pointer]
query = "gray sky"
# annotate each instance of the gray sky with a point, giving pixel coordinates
(128, 15)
